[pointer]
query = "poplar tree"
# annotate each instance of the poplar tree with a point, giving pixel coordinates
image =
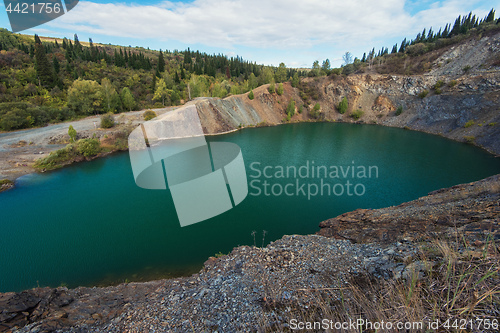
(127, 99)
(161, 92)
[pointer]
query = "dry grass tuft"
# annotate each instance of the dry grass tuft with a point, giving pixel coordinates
(461, 284)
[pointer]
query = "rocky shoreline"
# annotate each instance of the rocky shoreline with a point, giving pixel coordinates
(258, 289)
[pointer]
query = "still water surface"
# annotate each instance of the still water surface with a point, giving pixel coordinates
(90, 224)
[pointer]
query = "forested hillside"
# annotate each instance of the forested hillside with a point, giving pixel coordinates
(415, 56)
(46, 80)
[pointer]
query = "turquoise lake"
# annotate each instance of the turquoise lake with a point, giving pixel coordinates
(89, 224)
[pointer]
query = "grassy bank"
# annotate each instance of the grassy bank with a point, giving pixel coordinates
(84, 150)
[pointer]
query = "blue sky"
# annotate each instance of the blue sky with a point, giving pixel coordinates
(267, 32)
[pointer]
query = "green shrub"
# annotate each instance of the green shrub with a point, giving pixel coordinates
(343, 105)
(272, 88)
(492, 124)
(280, 89)
(437, 91)
(423, 94)
(14, 119)
(17, 115)
(6, 182)
(149, 114)
(469, 124)
(250, 95)
(357, 114)
(301, 108)
(57, 158)
(315, 112)
(466, 69)
(469, 138)
(399, 110)
(452, 83)
(107, 121)
(336, 71)
(295, 80)
(72, 133)
(314, 94)
(290, 109)
(439, 84)
(220, 254)
(88, 147)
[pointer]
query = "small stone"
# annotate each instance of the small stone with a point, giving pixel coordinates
(59, 315)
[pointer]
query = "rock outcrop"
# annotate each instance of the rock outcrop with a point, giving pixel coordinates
(471, 210)
(465, 109)
(447, 101)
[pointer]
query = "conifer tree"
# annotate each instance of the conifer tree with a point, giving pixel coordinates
(491, 16)
(57, 66)
(445, 33)
(295, 80)
(456, 26)
(161, 62)
(438, 35)
(42, 66)
(153, 84)
(422, 37)
(430, 35)
(403, 46)
(78, 47)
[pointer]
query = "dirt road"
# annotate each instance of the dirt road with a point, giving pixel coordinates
(20, 149)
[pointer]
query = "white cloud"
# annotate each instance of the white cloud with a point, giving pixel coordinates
(224, 23)
(262, 24)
